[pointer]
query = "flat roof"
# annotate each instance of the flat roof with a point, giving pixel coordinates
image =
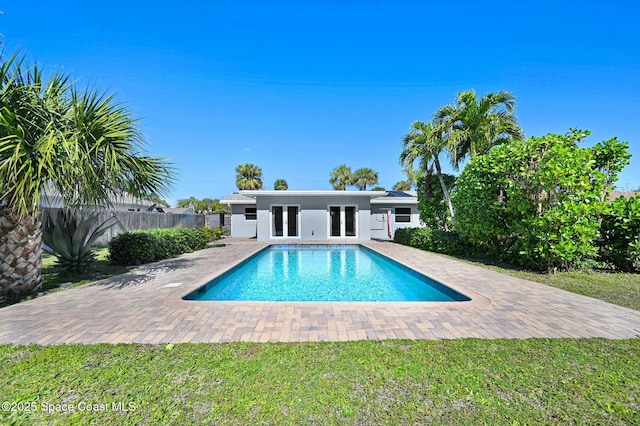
(313, 193)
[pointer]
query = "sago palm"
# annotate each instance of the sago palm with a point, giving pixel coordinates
(81, 144)
(472, 126)
(248, 176)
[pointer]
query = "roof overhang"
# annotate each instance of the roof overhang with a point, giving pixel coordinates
(396, 201)
(310, 193)
(237, 202)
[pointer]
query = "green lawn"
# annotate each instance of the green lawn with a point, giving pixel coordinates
(467, 381)
(463, 381)
(618, 288)
(52, 279)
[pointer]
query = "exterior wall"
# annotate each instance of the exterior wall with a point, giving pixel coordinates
(378, 220)
(313, 216)
(240, 227)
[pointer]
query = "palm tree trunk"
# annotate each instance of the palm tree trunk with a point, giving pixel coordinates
(444, 187)
(20, 254)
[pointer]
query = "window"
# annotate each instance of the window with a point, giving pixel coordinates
(403, 214)
(250, 213)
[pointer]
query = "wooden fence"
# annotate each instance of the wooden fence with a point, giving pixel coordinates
(134, 221)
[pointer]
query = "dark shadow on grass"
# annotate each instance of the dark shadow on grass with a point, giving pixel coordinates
(143, 274)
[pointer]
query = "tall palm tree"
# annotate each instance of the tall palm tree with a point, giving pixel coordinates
(472, 126)
(341, 176)
(248, 176)
(424, 143)
(280, 185)
(80, 144)
(363, 177)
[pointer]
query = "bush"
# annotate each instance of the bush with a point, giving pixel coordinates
(135, 248)
(435, 240)
(213, 234)
(433, 208)
(538, 203)
(619, 243)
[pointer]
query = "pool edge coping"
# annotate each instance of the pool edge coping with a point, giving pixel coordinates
(177, 294)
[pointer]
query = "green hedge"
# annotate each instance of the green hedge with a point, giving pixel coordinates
(619, 242)
(137, 247)
(435, 240)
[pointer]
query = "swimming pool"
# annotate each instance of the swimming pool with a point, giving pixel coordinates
(323, 273)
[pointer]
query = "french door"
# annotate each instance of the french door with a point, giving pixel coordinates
(343, 221)
(285, 221)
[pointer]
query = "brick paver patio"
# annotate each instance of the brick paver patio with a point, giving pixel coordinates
(139, 307)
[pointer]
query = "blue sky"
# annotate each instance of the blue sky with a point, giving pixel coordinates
(300, 87)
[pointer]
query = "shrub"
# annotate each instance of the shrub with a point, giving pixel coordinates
(619, 243)
(134, 248)
(435, 240)
(538, 202)
(213, 234)
(433, 208)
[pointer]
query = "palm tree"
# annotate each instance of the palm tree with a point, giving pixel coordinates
(414, 175)
(363, 177)
(424, 143)
(248, 176)
(280, 185)
(80, 144)
(341, 176)
(472, 126)
(403, 185)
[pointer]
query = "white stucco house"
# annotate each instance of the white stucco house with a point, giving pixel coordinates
(321, 215)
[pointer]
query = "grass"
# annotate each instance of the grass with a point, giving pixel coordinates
(466, 381)
(53, 279)
(618, 288)
(463, 381)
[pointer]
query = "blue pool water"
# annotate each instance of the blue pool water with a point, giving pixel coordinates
(340, 273)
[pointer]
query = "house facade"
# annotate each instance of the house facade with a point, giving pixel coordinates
(320, 215)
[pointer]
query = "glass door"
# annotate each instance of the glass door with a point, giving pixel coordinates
(278, 221)
(292, 221)
(343, 221)
(350, 221)
(285, 221)
(334, 221)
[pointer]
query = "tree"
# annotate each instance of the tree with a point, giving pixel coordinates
(363, 177)
(424, 143)
(472, 126)
(248, 176)
(537, 202)
(280, 185)
(204, 206)
(82, 144)
(341, 176)
(378, 188)
(403, 185)
(434, 211)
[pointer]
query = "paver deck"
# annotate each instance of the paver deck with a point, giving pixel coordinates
(139, 307)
